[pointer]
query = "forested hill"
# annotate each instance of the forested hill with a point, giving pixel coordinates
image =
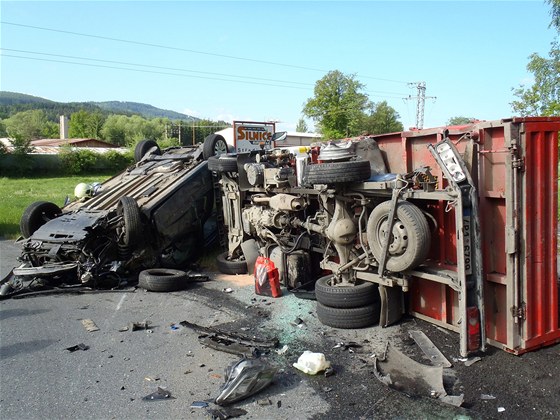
(12, 103)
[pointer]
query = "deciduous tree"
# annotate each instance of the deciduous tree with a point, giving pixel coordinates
(382, 119)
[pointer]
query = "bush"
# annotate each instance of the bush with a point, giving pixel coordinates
(116, 161)
(77, 162)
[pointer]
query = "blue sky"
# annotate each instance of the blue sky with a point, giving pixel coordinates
(259, 60)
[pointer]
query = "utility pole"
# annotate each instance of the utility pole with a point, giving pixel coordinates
(420, 101)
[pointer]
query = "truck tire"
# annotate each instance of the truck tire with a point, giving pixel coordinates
(226, 266)
(214, 145)
(410, 242)
(349, 318)
(142, 148)
(223, 163)
(130, 212)
(163, 280)
(361, 294)
(338, 172)
(36, 215)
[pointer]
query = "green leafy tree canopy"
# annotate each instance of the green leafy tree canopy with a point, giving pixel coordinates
(382, 119)
(460, 120)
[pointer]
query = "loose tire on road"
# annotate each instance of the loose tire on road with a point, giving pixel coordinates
(36, 215)
(214, 145)
(132, 223)
(223, 163)
(338, 172)
(142, 148)
(163, 280)
(225, 266)
(361, 294)
(349, 318)
(410, 235)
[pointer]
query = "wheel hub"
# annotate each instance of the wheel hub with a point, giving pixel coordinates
(399, 237)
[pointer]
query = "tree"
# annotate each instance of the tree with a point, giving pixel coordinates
(460, 120)
(84, 124)
(382, 119)
(301, 126)
(127, 131)
(338, 105)
(28, 125)
(543, 96)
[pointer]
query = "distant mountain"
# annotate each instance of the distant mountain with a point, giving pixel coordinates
(13, 102)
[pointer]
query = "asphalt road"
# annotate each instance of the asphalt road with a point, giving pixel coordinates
(40, 379)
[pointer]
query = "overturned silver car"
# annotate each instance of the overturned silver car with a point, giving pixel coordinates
(151, 215)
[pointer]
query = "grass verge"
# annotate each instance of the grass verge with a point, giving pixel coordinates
(18, 193)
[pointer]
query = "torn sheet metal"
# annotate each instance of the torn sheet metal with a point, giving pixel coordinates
(435, 356)
(233, 343)
(412, 378)
(160, 394)
(89, 325)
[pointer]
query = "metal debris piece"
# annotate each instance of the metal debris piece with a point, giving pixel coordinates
(501, 409)
(264, 402)
(223, 413)
(227, 290)
(136, 326)
(234, 343)
(433, 354)
(151, 378)
(283, 350)
(329, 372)
(160, 394)
(472, 361)
(347, 346)
(89, 325)
(487, 397)
(199, 404)
(77, 347)
(412, 378)
(245, 378)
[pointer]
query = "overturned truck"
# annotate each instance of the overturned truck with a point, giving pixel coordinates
(454, 225)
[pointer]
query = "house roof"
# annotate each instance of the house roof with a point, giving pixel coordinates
(71, 142)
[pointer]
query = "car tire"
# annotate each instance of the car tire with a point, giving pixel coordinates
(226, 266)
(142, 148)
(361, 294)
(349, 318)
(338, 172)
(223, 163)
(36, 215)
(411, 235)
(163, 280)
(214, 145)
(130, 211)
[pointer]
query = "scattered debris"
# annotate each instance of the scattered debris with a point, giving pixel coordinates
(89, 325)
(234, 343)
(329, 372)
(412, 378)
(136, 326)
(327, 389)
(174, 327)
(227, 290)
(487, 397)
(501, 409)
(223, 413)
(123, 329)
(199, 404)
(160, 394)
(312, 363)
(278, 403)
(347, 346)
(298, 322)
(470, 362)
(151, 378)
(264, 402)
(77, 347)
(245, 378)
(430, 350)
(283, 350)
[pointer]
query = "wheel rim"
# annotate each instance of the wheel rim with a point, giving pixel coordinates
(220, 148)
(399, 237)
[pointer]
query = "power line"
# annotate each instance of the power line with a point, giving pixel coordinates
(152, 45)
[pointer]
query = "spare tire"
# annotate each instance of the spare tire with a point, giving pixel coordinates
(143, 147)
(338, 172)
(223, 163)
(163, 280)
(227, 266)
(349, 318)
(36, 215)
(352, 296)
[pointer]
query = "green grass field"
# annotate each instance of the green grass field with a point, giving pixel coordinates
(17, 193)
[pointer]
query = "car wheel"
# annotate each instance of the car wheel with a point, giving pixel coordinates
(223, 163)
(410, 235)
(36, 215)
(361, 294)
(338, 172)
(143, 147)
(130, 212)
(228, 266)
(349, 318)
(163, 280)
(214, 145)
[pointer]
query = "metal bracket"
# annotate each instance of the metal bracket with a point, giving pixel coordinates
(387, 241)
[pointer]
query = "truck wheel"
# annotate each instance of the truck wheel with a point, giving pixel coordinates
(36, 215)
(226, 266)
(338, 172)
(223, 163)
(349, 318)
(361, 294)
(214, 145)
(142, 148)
(410, 235)
(162, 279)
(130, 212)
